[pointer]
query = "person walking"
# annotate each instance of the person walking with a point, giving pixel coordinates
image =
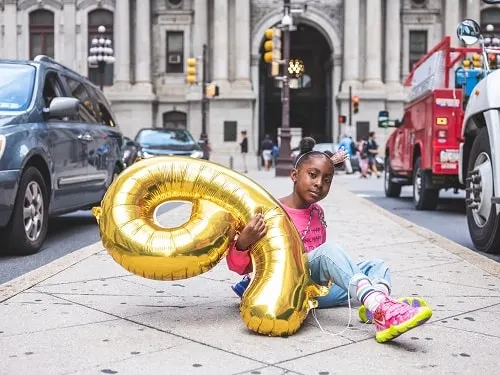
(346, 143)
(372, 153)
(205, 146)
(267, 151)
(244, 150)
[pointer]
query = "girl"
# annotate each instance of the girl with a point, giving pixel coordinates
(369, 281)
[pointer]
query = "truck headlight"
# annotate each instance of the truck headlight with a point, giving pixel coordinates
(197, 154)
(3, 141)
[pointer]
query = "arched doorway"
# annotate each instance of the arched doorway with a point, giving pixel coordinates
(311, 92)
(174, 120)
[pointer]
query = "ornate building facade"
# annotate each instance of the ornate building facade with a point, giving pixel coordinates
(368, 45)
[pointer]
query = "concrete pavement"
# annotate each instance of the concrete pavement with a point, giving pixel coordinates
(84, 314)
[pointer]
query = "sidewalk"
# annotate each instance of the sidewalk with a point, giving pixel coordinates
(84, 314)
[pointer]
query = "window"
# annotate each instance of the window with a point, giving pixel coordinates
(88, 108)
(175, 52)
(16, 86)
(51, 88)
(96, 18)
(490, 16)
(104, 111)
(230, 131)
(41, 24)
(174, 120)
(418, 46)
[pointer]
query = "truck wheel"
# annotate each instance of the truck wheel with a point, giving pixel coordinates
(423, 198)
(28, 225)
(392, 189)
(482, 219)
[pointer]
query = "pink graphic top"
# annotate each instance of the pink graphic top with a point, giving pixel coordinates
(240, 261)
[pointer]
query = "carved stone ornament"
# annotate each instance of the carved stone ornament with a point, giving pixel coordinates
(333, 9)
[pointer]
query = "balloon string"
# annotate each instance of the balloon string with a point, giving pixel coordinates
(348, 322)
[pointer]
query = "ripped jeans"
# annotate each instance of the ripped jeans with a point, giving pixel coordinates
(330, 262)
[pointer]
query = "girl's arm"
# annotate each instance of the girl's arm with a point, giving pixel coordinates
(239, 261)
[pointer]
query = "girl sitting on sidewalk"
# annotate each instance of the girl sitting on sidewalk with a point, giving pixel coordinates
(369, 281)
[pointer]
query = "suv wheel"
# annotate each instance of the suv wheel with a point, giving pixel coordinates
(28, 226)
(423, 198)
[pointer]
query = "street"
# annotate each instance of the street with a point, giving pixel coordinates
(66, 234)
(448, 220)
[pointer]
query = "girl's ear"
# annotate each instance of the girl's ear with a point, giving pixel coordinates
(293, 174)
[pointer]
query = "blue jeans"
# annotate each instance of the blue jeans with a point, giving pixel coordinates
(330, 262)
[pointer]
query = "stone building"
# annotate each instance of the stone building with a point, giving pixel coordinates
(368, 45)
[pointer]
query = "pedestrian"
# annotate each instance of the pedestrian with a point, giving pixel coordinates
(205, 146)
(267, 151)
(363, 156)
(368, 281)
(346, 143)
(372, 154)
(244, 149)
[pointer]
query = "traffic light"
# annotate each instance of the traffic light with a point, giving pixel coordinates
(477, 60)
(212, 90)
(191, 70)
(355, 104)
(342, 119)
(272, 49)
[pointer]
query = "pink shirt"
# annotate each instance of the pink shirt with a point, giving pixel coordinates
(240, 261)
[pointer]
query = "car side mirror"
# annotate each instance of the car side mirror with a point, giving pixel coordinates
(64, 107)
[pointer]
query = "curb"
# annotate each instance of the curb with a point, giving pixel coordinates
(30, 279)
(476, 259)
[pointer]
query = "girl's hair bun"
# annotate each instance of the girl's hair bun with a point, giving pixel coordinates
(306, 145)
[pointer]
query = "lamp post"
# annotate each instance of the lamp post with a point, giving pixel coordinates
(284, 163)
(100, 54)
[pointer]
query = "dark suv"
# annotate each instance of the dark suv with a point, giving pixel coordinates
(60, 148)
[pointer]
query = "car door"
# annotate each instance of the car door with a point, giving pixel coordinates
(399, 147)
(107, 142)
(97, 176)
(67, 152)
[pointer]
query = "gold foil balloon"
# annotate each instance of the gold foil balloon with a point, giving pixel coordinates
(281, 292)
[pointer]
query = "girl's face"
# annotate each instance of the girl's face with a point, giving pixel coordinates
(313, 178)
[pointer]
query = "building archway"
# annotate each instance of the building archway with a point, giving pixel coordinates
(311, 94)
(174, 120)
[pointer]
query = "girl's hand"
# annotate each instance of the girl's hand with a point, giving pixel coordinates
(253, 232)
(340, 156)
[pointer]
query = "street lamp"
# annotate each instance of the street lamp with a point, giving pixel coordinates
(100, 53)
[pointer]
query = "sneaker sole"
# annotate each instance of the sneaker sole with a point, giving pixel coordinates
(366, 316)
(392, 332)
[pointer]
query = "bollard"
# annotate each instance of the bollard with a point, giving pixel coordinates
(231, 159)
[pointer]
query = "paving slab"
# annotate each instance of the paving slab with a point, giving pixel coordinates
(85, 314)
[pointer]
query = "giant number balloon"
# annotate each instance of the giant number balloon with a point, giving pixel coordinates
(281, 292)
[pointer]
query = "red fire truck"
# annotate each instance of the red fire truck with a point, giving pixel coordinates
(423, 150)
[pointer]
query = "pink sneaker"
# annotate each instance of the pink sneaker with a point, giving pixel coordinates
(393, 318)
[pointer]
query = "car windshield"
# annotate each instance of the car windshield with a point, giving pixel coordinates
(16, 86)
(165, 137)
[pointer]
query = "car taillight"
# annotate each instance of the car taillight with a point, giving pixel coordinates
(2, 145)
(442, 135)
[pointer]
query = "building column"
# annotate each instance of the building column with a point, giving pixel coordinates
(68, 48)
(122, 43)
(373, 65)
(221, 41)
(393, 43)
(10, 36)
(143, 46)
(200, 26)
(351, 43)
(451, 20)
(474, 10)
(242, 41)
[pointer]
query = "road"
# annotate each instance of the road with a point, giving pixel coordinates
(66, 234)
(448, 220)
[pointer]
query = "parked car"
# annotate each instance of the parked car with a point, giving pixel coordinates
(60, 148)
(166, 141)
(130, 152)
